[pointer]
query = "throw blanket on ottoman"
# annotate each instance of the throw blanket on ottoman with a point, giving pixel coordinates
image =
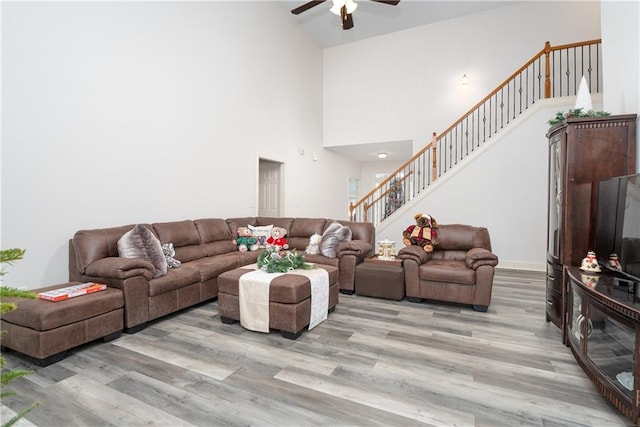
(253, 296)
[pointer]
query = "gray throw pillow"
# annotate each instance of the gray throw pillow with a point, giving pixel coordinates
(335, 234)
(140, 242)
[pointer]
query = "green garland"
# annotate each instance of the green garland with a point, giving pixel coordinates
(273, 261)
(561, 117)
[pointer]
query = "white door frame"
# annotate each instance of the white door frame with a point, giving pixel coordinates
(271, 192)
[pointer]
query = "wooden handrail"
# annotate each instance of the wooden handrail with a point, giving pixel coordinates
(366, 203)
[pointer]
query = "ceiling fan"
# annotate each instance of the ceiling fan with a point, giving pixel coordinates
(344, 8)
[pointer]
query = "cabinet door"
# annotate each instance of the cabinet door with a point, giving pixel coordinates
(555, 195)
(577, 326)
(610, 347)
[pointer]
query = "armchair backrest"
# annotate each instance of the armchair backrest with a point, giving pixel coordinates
(462, 237)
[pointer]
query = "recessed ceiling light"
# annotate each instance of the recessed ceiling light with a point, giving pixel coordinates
(382, 155)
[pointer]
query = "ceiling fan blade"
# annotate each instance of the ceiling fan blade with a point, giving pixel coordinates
(298, 10)
(347, 19)
(389, 2)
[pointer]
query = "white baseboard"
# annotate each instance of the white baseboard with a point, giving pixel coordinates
(522, 265)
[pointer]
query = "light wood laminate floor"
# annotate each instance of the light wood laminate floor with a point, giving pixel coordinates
(372, 363)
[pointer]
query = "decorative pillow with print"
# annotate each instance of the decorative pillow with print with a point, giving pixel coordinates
(261, 233)
(335, 234)
(140, 242)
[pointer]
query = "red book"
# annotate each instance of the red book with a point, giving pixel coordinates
(72, 291)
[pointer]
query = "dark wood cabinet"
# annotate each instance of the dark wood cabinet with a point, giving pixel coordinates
(603, 333)
(582, 151)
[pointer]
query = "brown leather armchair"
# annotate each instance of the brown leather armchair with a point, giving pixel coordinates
(460, 269)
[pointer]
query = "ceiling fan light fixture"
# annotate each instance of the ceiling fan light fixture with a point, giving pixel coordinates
(338, 4)
(351, 6)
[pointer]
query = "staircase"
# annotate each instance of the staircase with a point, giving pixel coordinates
(550, 73)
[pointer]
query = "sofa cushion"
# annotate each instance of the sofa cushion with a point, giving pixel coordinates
(463, 237)
(321, 259)
(215, 236)
(302, 229)
(447, 271)
(305, 227)
(211, 267)
(140, 242)
(213, 229)
(184, 236)
(335, 234)
(175, 278)
(234, 223)
(276, 222)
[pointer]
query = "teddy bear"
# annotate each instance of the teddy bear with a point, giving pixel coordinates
(314, 244)
(423, 233)
(277, 239)
(246, 241)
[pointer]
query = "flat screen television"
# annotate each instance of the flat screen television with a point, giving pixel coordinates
(618, 225)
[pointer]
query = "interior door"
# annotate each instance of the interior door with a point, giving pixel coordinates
(269, 188)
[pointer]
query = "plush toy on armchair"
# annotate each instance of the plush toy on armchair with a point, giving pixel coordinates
(423, 233)
(246, 241)
(278, 240)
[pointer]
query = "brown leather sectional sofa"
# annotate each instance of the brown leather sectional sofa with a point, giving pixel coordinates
(459, 270)
(206, 249)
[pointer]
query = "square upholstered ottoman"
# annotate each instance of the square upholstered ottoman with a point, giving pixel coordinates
(45, 330)
(380, 279)
(289, 299)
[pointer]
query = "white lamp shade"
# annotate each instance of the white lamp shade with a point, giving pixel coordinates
(337, 5)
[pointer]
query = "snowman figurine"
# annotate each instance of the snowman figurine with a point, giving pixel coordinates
(590, 263)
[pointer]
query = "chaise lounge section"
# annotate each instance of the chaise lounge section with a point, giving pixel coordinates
(206, 248)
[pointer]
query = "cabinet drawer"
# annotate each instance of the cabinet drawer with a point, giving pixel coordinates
(554, 309)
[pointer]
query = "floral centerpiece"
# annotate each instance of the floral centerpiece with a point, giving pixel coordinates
(272, 260)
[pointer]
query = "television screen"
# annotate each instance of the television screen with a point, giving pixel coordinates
(618, 225)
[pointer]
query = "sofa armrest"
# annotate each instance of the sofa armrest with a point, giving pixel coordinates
(479, 256)
(359, 248)
(120, 268)
(414, 253)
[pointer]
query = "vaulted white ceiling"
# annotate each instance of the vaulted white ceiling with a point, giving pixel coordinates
(374, 19)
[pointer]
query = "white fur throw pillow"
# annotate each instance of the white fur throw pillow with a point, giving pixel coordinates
(335, 234)
(140, 242)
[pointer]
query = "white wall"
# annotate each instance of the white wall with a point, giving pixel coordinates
(123, 112)
(621, 55)
(406, 85)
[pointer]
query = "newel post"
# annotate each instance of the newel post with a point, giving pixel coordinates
(547, 70)
(434, 165)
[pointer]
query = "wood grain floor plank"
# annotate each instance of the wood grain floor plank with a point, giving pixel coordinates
(373, 362)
